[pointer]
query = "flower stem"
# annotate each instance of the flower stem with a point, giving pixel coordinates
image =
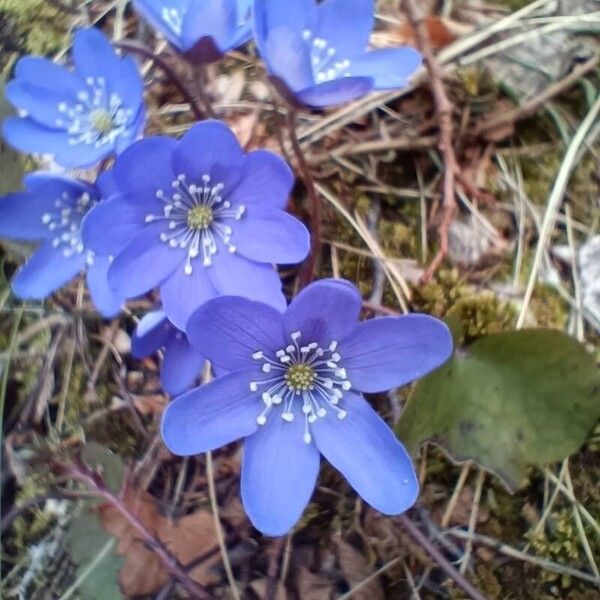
(137, 48)
(309, 268)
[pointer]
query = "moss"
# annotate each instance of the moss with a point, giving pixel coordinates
(439, 295)
(548, 308)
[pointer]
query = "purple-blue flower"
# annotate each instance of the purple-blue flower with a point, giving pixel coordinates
(182, 363)
(294, 391)
(317, 53)
(50, 211)
(197, 217)
(203, 30)
(82, 115)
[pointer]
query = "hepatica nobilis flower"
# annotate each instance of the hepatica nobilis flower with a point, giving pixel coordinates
(182, 363)
(294, 391)
(198, 218)
(50, 211)
(317, 53)
(82, 115)
(202, 30)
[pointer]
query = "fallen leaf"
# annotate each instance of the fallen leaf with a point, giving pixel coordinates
(312, 586)
(259, 587)
(441, 32)
(356, 569)
(188, 537)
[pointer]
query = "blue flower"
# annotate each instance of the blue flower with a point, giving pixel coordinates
(50, 211)
(294, 391)
(198, 218)
(203, 30)
(181, 365)
(317, 53)
(79, 116)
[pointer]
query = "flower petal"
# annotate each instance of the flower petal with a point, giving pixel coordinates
(152, 332)
(154, 12)
(271, 235)
(93, 54)
(287, 57)
(112, 225)
(181, 366)
(209, 148)
(324, 311)
(295, 14)
(183, 294)
(105, 299)
(43, 72)
(336, 91)
(228, 330)
(234, 275)
(46, 271)
(279, 472)
(345, 25)
(21, 215)
(384, 353)
(27, 135)
(390, 68)
(266, 180)
(211, 415)
(364, 449)
(144, 263)
(214, 18)
(145, 167)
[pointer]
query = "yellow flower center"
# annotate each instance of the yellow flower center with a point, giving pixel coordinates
(101, 121)
(200, 217)
(300, 377)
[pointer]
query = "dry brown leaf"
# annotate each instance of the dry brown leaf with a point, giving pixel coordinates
(259, 587)
(149, 404)
(355, 569)
(312, 586)
(142, 572)
(441, 33)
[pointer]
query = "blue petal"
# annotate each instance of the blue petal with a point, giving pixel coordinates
(152, 333)
(145, 167)
(144, 263)
(295, 14)
(390, 68)
(127, 82)
(42, 72)
(40, 104)
(392, 351)
(152, 11)
(181, 366)
(324, 311)
(112, 225)
(93, 54)
(105, 299)
(271, 235)
(183, 294)
(133, 133)
(228, 330)
(336, 91)
(213, 18)
(107, 184)
(266, 180)
(364, 449)
(288, 58)
(29, 136)
(234, 275)
(21, 215)
(36, 179)
(46, 271)
(209, 148)
(210, 416)
(279, 472)
(346, 25)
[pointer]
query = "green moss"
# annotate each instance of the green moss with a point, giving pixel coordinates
(548, 308)
(439, 295)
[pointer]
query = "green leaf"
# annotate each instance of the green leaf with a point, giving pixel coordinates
(92, 550)
(509, 400)
(110, 465)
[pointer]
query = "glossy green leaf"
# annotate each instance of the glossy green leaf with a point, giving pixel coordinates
(509, 400)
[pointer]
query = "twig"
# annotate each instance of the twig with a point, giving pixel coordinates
(82, 473)
(440, 559)
(274, 553)
(443, 110)
(136, 48)
(315, 205)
